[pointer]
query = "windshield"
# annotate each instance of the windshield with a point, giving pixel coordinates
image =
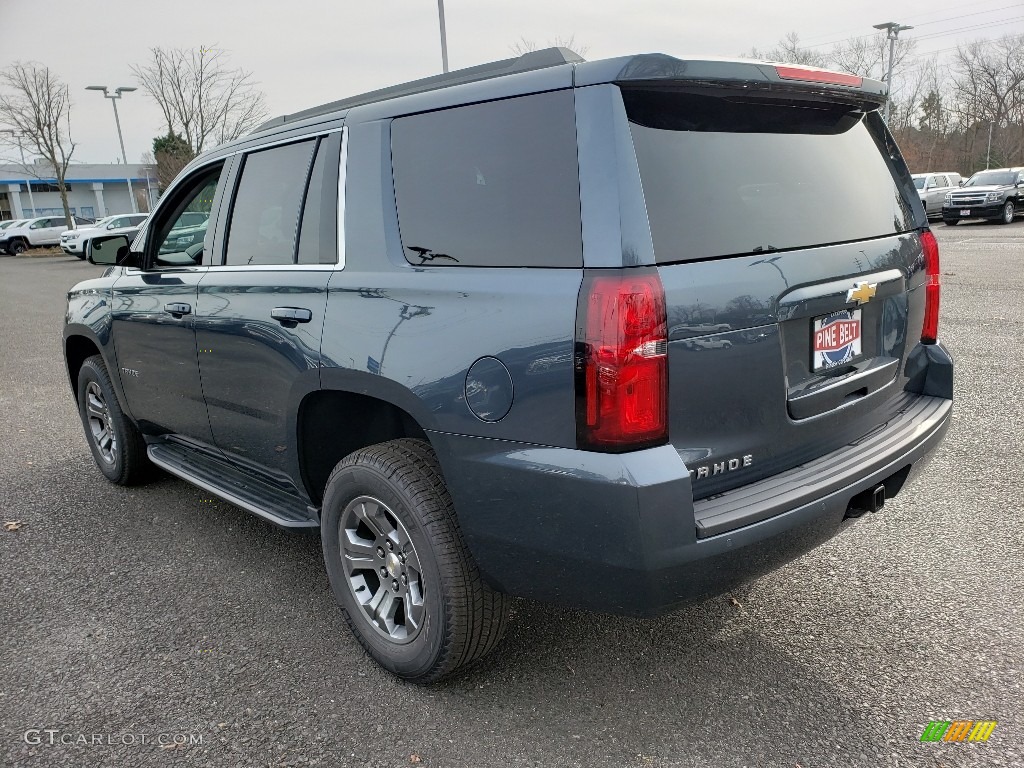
(992, 178)
(919, 182)
(726, 175)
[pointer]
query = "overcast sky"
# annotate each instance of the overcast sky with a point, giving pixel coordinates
(307, 52)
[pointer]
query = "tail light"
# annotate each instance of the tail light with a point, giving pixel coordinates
(930, 329)
(621, 361)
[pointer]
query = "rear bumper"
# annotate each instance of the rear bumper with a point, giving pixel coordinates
(619, 533)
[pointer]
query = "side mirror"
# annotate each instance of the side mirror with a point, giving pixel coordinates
(110, 250)
(960, 183)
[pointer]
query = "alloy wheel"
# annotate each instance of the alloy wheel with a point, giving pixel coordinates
(100, 427)
(382, 569)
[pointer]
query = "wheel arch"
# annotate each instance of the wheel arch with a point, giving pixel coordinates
(333, 422)
(79, 347)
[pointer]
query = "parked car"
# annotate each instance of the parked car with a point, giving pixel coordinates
(10, 223)
(75, 242)
(706, 343)
(432, 321)
(190, 228)
(933, 188)
(996, 195)
(35, 233)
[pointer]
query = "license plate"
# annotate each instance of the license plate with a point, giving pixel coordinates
(835, 339)
(965, 213)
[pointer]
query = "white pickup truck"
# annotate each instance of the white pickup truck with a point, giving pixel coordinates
(36, 233)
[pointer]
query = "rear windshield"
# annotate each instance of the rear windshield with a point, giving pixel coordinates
(727, 175)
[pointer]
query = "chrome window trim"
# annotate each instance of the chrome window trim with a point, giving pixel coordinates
(340, 264)
(343, 163)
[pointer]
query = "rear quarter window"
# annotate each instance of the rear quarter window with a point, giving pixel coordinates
(490, 185)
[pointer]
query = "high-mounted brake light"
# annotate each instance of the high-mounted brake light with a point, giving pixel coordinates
(622, 361)
(813, 75)
(930, 328)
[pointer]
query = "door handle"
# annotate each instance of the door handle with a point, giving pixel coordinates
(178, 309)
(291, 314)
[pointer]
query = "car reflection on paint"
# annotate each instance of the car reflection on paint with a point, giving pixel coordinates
(709, 343)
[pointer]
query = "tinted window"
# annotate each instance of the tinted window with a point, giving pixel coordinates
(310, 235)
(919, 182)
(266, 209)
(736, 175)
(493, 184)
(135, 220)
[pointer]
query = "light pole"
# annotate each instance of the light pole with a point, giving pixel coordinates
(28, 182)
(113, 100)
(892, 32)
(988, 155)
(444, 37)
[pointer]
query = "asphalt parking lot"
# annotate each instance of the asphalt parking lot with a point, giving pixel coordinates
(155, 613)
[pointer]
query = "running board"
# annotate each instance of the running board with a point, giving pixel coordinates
(234, 485)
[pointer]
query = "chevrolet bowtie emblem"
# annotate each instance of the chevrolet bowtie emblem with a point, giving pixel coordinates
(862, 293)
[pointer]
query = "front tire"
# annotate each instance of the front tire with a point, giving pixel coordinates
(1007, 216)
(115, 442)
(398, 565)
(16, 248)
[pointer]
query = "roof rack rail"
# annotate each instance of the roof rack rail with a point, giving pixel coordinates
(547, 57)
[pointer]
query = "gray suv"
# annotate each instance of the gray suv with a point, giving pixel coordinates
(546, 328)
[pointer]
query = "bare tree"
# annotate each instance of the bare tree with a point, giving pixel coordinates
(36, 106)
(202, 99)
(789, 51)
(988, 86)
(869, 56)
(523, 45)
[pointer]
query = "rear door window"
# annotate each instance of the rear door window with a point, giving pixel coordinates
(492, 185)
(729, 175)
(265, 215)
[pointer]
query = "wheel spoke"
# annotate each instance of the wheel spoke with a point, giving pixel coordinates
(371, 513)
(382, 606)
(413, 613)
(359, 553)
(94, 403)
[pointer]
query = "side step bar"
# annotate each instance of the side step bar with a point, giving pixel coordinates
(234, 485)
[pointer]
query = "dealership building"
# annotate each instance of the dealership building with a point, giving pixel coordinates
(94, 191)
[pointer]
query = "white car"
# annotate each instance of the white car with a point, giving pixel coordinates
(10, 223)
(36, 233)
(933, 187)
(75, 242)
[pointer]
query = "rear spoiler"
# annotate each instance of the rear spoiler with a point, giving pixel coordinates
(658, 69)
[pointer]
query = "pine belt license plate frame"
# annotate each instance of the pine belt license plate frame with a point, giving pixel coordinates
(836, 339)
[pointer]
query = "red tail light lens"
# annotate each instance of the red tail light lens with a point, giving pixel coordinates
(810, 74)
(930, 330)
(622, 361)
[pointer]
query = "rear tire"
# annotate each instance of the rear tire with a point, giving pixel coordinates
(115, 442)
(950, 222)
(398, 565)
